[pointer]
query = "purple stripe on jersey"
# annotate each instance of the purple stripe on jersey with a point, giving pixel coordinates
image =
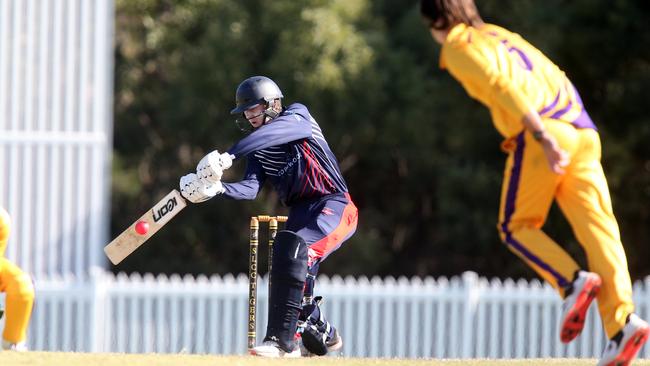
(511, 195)
(583, 120)
(546, 109)
(562, 111)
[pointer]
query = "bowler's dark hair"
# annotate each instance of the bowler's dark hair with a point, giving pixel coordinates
(444, 14)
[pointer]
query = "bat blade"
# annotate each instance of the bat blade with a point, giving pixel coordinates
(137, 234)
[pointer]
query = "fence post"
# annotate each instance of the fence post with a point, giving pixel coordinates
(472, 294)
(98, 326)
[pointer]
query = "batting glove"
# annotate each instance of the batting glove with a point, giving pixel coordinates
(211, 167)
(196, 191)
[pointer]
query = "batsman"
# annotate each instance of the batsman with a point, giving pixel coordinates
(286, 146)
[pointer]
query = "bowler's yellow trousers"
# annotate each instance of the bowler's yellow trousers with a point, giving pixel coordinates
(529, 188)
(18, 288)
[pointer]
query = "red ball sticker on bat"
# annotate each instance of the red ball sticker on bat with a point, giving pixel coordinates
(142, 227)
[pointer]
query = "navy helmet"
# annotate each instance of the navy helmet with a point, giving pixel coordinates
(253, 91)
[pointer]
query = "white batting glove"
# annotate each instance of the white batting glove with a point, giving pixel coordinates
(211, 167)
(196, 191)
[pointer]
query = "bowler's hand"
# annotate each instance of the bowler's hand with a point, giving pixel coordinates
(557, 158)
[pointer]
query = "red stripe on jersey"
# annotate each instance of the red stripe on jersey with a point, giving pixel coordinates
(315, 173)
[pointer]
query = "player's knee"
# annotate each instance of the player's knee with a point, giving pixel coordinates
(25, 288)
(18, 284)
(509, 230)
(289, 257)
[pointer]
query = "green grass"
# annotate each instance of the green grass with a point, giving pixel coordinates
(115, 359)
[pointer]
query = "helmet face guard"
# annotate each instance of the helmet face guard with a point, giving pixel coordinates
(253, 91)
(243, 124)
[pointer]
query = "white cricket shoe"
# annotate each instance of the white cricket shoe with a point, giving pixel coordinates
(272, 349)
(18, 346)
(583, 291)
(624, 346)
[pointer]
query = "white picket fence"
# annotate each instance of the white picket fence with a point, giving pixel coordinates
(461, 317)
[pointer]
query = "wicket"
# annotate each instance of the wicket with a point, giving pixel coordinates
(252, 268)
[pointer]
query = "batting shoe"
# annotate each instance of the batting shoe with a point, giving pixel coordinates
(10, 346)
(624, 346)
(579, 295)
(271, 349)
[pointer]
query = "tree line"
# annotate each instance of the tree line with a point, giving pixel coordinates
(421, 159)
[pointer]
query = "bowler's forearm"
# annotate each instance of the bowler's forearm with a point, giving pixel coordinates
(534, 124)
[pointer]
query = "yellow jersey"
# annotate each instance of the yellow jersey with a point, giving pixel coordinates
(510, 77)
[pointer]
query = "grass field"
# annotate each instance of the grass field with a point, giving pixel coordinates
(114, 359)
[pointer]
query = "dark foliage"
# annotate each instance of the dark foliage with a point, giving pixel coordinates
(421, 158)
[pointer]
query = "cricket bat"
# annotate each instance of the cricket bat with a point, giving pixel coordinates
(144, 228)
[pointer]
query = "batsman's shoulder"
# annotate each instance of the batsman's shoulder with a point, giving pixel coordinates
(297, 108)
(297, 111)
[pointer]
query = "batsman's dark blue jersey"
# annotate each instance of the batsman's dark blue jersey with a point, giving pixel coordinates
(293, 155)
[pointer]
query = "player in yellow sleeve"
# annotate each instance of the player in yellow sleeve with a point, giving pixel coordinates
(554, 153)
(19, 290)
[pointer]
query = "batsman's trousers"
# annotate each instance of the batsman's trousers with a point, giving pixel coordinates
(529, 188)
(324, 224)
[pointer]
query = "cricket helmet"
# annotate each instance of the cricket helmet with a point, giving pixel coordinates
(253, 91)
